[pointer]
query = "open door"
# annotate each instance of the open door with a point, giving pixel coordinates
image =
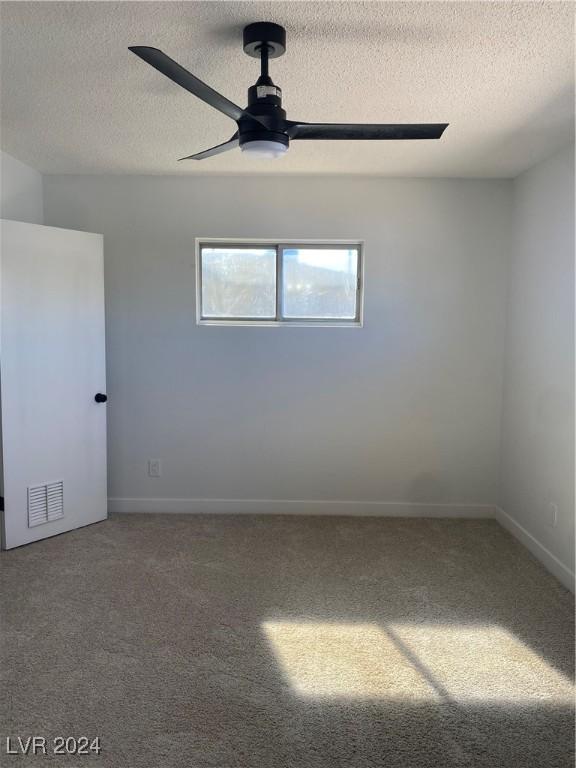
(52, 381)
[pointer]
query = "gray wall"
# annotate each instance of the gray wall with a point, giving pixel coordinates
(406, 408)
(20, 191)
(538, 415)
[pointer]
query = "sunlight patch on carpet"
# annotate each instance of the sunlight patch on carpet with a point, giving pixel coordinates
(413, 662)
(483, 662)
(344, 660)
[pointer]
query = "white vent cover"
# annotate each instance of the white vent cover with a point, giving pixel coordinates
(45, 503)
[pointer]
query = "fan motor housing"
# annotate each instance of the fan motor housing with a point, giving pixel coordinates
(269, 112)
(264, 92)
(247, 133)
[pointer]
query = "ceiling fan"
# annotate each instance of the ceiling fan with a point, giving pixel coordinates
(263, 129)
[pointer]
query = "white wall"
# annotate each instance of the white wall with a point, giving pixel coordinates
(20, 199)
(538, 414)
(405, 409)
(20, 191)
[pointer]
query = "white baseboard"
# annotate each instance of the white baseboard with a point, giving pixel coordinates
(548, 560)
(301, 507)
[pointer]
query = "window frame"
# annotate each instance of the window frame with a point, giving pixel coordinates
(279, 320)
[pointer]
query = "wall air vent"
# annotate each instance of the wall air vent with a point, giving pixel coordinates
(45, 503)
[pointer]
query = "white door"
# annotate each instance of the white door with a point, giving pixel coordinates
(51, 368)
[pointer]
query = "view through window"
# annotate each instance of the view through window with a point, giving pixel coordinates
(279, 283)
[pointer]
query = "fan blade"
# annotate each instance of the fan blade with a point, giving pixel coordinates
(359, 131)
(187, 80)
(217, 150)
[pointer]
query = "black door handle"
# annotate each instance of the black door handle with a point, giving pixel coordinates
(100, 398)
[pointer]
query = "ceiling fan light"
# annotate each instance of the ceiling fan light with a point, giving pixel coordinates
(264, 148)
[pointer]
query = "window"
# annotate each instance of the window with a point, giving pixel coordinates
(276, 283)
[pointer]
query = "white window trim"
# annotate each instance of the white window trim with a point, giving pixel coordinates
(358, 322)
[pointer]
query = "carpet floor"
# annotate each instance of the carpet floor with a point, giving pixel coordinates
(287, 642)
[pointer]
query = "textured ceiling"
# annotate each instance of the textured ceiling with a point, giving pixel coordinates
(75, 100)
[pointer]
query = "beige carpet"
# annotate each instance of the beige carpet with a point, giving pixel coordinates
(272, 642)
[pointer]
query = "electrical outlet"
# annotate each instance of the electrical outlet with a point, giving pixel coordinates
(552, 515)
(154, 468)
